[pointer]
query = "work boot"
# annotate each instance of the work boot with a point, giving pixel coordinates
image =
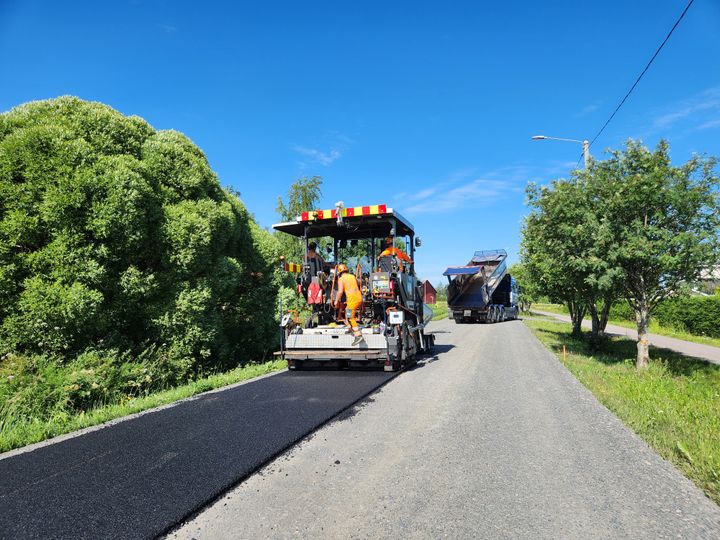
(358, 340)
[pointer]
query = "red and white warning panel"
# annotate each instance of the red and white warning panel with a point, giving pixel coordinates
(374, 210)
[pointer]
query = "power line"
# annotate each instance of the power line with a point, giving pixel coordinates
(643, 72)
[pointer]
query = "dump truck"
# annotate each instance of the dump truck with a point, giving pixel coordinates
(482, 290)
(393, 315)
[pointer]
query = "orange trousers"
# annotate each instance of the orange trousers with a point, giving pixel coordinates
(352, 313)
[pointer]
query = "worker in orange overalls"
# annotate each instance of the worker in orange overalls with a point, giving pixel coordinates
(390, 249)
(348, 284)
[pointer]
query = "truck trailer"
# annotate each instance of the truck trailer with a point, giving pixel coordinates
(482, 290)
(393, 315)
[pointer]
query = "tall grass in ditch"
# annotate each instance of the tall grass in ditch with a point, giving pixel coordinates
(21, 425)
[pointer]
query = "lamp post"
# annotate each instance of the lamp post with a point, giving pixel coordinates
(585, 145)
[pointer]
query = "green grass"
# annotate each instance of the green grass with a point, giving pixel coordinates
(16, 432)
(674, 405)
(655, 327)
(440, 310)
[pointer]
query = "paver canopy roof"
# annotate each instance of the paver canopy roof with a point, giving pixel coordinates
(369, 222)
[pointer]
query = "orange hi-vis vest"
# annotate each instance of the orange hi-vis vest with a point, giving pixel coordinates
(350, 286)
(400, 254)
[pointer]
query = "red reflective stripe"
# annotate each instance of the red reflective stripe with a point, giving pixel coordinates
(347, 212)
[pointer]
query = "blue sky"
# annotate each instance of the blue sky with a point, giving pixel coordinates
(426, 106)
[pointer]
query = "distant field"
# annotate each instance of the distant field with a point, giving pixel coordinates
(440, 310)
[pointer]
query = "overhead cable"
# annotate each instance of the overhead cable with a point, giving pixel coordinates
(643, 72)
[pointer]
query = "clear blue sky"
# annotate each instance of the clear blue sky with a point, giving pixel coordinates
(426, 106)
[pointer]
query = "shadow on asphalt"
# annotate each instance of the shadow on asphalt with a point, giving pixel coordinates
(440, 349)
(434, 357)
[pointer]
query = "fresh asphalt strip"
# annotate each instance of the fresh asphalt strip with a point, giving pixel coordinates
(139, 478)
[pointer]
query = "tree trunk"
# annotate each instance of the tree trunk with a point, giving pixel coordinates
(595, 319)
(599, 317)
(642, 317)
(605, 313)
(577, 313)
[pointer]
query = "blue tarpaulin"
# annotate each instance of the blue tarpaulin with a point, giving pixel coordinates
(461, 271)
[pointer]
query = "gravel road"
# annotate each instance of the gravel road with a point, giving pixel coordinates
(492, 439)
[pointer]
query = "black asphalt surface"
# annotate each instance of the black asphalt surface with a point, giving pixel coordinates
(138, 478)
(492, 438)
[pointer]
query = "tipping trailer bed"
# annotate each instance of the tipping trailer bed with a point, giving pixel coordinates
(482, 290)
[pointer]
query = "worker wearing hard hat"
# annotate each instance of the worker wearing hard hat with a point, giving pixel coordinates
(348, 284)
(390, 249)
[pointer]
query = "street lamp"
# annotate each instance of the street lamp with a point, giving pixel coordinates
(585, 145)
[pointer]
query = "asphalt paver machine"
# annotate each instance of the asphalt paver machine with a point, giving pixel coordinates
(393, 315)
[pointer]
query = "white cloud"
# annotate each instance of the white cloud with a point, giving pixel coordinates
(698, 107)
(465, 188)
(478, 192)
(337, 143)
(423, 194)
(319, 156)
(709, 125)
(588, 109)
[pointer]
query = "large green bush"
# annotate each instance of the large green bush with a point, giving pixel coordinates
(698, 315)
(120, 252)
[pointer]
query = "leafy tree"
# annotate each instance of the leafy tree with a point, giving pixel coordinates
(441, 289)
(528, 289)
(663, 222)
(118, 237)
(304, 195)
(551, 248)
(595, 260)
(565, 250)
